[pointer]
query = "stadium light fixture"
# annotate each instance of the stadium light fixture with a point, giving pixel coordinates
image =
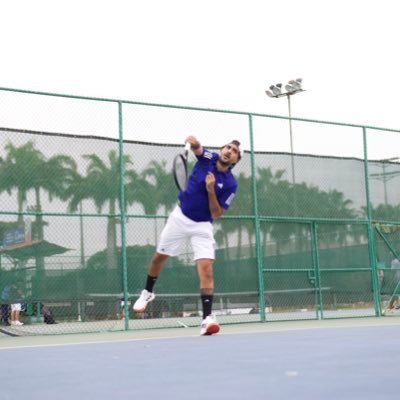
(292, 87)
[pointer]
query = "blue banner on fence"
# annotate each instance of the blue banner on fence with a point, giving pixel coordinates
(14, 236)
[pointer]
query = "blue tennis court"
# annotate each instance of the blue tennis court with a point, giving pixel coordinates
(294, 361)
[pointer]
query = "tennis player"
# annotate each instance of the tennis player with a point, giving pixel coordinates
(210, 191)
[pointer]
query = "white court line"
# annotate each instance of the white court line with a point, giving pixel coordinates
(245, 332)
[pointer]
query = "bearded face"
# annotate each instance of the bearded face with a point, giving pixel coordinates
(229, 155)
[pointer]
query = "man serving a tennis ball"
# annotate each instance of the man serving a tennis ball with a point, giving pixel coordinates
(209, 192)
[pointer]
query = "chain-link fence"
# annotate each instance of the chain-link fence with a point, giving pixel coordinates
(86, 186)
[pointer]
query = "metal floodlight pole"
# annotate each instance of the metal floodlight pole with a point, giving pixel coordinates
(293, 87)
(290, 123)
(291, 139)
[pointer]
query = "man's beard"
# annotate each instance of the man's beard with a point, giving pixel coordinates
(224, 163)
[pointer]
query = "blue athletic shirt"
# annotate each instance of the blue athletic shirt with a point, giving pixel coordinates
(194, 200)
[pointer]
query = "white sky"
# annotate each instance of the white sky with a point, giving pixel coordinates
(219, 54)
(214, 54)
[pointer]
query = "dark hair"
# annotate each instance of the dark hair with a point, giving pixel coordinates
(237, 143)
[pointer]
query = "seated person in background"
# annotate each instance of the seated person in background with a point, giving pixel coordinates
(12, 295)
(15, 313)
(48, 316)
(395, 301)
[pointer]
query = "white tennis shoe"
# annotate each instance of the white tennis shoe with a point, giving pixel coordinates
(209, 326)
(145, 298)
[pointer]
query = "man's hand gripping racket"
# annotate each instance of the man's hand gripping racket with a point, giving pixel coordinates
(180, 168)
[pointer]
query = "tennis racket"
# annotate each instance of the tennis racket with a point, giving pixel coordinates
(180, 168)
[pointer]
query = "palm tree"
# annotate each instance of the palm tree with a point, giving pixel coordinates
(153, 189)
(102, 184)
(274, 199)
(242, 205)
(54, 176)
(25, 168)
(18, 171)
(333, 204)
(146, 194)
(76, 192)
(157, 175)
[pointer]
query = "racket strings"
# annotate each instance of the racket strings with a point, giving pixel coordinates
(180, 172)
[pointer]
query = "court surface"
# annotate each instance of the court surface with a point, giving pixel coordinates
(344, 359)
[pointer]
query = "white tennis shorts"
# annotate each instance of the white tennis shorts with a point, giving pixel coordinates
(16, 307)
(179, 228)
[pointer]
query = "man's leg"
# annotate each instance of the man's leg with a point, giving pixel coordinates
(153, 270)
(156, 264)
(206, 277)
(12, 314)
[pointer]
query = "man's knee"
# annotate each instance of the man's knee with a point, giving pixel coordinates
(159, 258)
(205, 268)
(156, 264)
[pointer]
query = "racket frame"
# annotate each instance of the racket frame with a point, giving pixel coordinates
(183, 158)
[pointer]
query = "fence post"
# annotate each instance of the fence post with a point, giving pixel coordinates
(259, 255)
(315, 259)
(123, 218)
(370, 229)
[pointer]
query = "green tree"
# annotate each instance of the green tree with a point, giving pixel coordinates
(384, 212)
(102, 184)
(274, 199)
(242, 206)
(18, 171)
(25, 168)
(153, 190)
(279, 197)
(160, 179)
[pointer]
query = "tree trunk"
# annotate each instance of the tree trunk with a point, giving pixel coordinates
(111, 238)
